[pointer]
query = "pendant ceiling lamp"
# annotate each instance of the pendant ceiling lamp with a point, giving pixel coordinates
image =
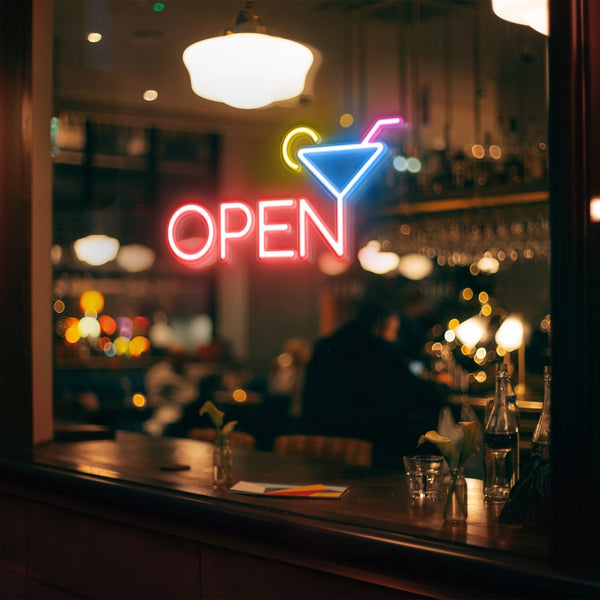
(245, 67)
(524, 12)
(96, 250)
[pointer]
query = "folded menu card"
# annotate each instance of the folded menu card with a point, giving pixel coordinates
(317, 490)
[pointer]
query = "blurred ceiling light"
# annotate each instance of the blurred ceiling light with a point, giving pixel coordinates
(595, 210)
(488, 264)
(245, 67)
(371, 259)
(510, 334)
(471, 331)
(94, 37)
(150, 95)
(136, 258)
(415, 266)
(56, 254)
(96, 250)
(91, 301)
(524, 12)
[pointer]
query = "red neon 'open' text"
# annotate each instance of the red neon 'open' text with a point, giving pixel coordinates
(274, 217)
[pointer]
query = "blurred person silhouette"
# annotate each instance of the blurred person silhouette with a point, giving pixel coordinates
(285, 383)
(357, 385)
(169, 389)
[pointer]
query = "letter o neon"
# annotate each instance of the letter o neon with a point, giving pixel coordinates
(174, 221)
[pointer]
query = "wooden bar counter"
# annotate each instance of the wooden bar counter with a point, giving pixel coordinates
(108, 519)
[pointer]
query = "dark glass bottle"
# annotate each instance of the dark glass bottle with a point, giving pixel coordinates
(540, 440)
(501, 442)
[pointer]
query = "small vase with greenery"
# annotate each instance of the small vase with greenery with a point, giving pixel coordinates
(454, 484)
(222, 455)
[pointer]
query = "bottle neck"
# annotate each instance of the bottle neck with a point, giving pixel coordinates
(501, 418)
(547, 391)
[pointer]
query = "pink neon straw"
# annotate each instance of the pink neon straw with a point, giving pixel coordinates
(378, 126)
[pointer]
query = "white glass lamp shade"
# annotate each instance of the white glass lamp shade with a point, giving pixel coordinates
(471, 331)
(415, 266)
(524, 12)
(96, 250)
(373, 260)
(136, 258)
(247, 70)
(488, 264)
(510, 334)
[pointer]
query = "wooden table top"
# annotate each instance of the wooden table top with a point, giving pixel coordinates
(376, 500)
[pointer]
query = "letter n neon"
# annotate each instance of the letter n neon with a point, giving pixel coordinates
(338, 244)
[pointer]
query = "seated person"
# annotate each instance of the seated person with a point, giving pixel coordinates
(358, 385)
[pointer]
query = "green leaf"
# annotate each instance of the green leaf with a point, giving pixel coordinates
(216, 415)
(444, 444)
(227, 429)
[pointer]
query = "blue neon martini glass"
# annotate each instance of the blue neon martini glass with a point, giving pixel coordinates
(341, 168)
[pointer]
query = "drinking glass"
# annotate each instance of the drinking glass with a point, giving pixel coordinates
(423, 472)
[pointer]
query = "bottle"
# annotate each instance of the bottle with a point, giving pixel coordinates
(513, 405)
(501, 442)
(540, 441)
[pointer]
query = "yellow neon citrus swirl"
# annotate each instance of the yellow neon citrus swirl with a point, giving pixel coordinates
(289, 138)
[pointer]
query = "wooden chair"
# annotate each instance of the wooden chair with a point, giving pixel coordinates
(237, 439)
(349, 451)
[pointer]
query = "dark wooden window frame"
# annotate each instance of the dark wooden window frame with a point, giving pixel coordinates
(574, 59)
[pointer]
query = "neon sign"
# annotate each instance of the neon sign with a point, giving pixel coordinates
(340, 169)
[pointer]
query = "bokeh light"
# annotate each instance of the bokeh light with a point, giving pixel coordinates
(122, 346)
(140, 324)
(110, 349)
(240, 395)
(400, 164)
(478, 150)
(125, 326)
(72, 334)
(495, 152)
(139, 345)
(139, 400)
(103, 342)
(346, 120)
(89, 327)
(150, 95)
(107, 324)
(480, 376)
(413, 164)
(91, 302)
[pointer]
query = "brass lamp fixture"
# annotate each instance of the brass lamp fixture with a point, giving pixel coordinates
(247, 68)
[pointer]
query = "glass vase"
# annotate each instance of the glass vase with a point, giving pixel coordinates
(222, 464)
(454, 496)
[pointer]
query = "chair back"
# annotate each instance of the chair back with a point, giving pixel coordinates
(349, 451)
(237, 439)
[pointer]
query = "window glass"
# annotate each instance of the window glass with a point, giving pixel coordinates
(449, 227)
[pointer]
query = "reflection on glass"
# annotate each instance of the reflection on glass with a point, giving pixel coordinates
(451, 230)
